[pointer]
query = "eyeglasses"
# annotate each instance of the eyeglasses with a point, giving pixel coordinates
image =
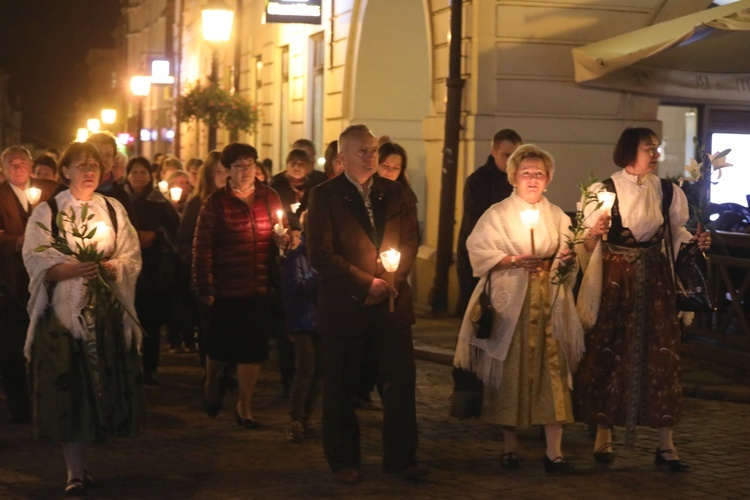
(652, 150)
(527, 176)
(243, 166)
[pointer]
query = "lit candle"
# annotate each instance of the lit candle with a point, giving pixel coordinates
(294, 207)
(175, 193)
(32, 195)
(278, 228)
(390, 259)
(607, 199)
(163, 187)
(530, 218)
(102, 232)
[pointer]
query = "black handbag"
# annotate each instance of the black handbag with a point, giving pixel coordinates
(483, 314)
(692, 290)
(690, 268)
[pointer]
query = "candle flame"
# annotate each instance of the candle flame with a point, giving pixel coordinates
(390, 259)
(530, 217)
(33, 194)
(175, 193)
(607, 199)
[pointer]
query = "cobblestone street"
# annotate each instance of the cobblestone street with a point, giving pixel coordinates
(185, 454)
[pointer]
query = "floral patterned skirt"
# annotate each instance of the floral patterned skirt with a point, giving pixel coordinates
(85, 391)
(629, 373)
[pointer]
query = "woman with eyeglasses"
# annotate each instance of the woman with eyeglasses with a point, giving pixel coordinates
(535, 339)
(629, 374)
(234, 242)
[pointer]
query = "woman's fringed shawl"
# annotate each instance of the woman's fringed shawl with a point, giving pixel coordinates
(498, 233)
(70, 296)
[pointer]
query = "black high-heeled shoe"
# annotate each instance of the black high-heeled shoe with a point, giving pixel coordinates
(510, 460)
(557, 466)
(674, 465)
(247, 423)
(604, 457)
(212, 409)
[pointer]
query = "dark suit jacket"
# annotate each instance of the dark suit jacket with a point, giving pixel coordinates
(345, 250)
(13, 219)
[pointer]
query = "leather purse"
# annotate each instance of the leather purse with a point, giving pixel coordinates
(692, 289)
(483, 314)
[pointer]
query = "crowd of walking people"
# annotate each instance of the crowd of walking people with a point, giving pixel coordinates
(102, 255)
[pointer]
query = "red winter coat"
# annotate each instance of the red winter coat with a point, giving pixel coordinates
(232, 244)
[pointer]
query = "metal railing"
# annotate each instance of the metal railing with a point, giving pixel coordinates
(724, 336)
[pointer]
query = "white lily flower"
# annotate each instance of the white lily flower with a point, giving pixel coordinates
(693, 170)
(719, 163)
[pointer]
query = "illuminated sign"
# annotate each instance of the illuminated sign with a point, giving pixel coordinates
(294, 11)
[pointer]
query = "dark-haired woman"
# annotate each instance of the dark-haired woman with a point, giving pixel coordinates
(629, 374)
(234, 239)
(212, 176)
(392, 165)
(84, 355)
(156, 223)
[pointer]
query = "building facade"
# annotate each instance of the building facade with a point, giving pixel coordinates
(385, 63)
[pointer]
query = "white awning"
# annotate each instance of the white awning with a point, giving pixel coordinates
(704, 56)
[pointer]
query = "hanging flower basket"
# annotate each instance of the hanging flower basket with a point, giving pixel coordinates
(216, 107)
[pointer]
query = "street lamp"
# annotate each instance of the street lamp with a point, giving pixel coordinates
(140, 86)
(217, 28)
(109, 116)
(93, 125)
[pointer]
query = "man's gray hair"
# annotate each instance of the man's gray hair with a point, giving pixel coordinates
(351, 130)
(16, 149)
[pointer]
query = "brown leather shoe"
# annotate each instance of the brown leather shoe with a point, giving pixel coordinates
(350, 475)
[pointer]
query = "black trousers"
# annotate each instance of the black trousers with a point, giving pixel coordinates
(342, 359)
(13, 325)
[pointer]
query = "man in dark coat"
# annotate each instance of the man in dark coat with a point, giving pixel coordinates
(352, 219)
(15, 208)
(483, 188)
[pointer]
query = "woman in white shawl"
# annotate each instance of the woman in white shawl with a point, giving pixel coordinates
(536, 336)
(629, 375)
(83, 354)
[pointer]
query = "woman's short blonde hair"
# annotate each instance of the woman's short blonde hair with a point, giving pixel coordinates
(529, 151)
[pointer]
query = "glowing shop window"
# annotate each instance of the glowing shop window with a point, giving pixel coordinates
(734, 185)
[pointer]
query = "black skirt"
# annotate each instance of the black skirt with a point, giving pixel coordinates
(239, 331)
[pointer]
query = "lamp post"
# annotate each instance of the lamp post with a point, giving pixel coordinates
(140, 86)
(217, 28)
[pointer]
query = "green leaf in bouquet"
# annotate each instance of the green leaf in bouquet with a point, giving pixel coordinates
(42, 248)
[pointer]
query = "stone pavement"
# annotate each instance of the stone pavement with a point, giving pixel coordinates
(185, 454)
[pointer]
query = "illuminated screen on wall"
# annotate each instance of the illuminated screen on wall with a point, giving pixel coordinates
(294, 11)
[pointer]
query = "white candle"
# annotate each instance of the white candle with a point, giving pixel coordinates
(278, 228)
(530, 219)
(33, 194)
(163, 187)
(607, 200)
(102, 232)
(175, 193)
(390, 259)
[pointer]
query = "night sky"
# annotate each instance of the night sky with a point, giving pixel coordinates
(43, 46)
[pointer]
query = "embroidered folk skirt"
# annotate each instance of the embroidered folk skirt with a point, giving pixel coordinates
(629, 373)
(534, 388)
(85, 391)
